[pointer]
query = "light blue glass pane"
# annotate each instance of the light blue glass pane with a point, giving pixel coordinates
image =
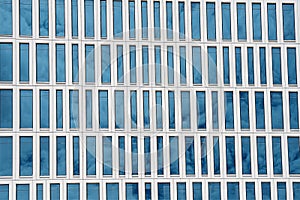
(241, 21)
(112, 191)
(197, 66)
(164, 191)
(103, 109)
(246, 155)
(23, 192)
(182, 50)
(181, 191)
(92, 191)
(171, 101)
(90, 63)
(42, 62)
(170, 63)
(133, 109)
(216, 151)
(88, 109)
(157, 64)
(212, 65)
(185, 110)
(39, 191)
(60, 63)
(181, 13)
(292, 66)
(159, 110)
(203, 155)
(296, 190)
(211, 21)
(74, 108)
(262, 62)
(132, 64)
(132, 191)
(147, 191)
(238, 65)
(294, 155)
(76, 154)
(6, 16)
(160, 156)
(6, 108)
(230, 155)
(276, 65)
(276, 110)
(288, 22)
(121, 155)
(250, 190)
(226, 66)
(214, 191)
(145, 62)
(118, 23)
(226, 22)
(73, 191)
(26, 109)
(54, 191)
(89, 18)
(256, 21)
(261, 155)
(74, 12)
(75, 68)
(60, 156)
(44, 156)
(229, 116)
(169, 19)
(91, 155)
(24, 62)
(146, 109)
(144, 15)
(107, 155)
(189, 155)
(281, 190)
(120, 64)
(44, 18)
(119, 110)
(6, 156)
(294, 119)
(6, 62)
(272, 21)
(259, 110)
(174, 155)
(134, 155)
(197, 191)
(156, 19)
(59, 109)
(131, 5)
(250, 66)
(60, 17)
(26, 156)
(244, 110)
(147, 153)
(103, 18)
(201, 110)
(265, 191)
(233, 191)
(215, 112)
(195, 18)
(25, 10)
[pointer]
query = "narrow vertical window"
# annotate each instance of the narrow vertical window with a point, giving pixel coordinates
(294, 118)
(169, 19)
(196, 63)
(276, 65)
(160, 156)
(60, 18)
(76, 156)
(90, 155)
(171, 102)
(181, 191)
(230, 155)
(147, 191)
(54, 191)
(120, 64)
(133, 109)
(216, 153)
(144, 18)
(59, 109)
(121, 143)
(288, 21)
(75, 65)
(44, 109)
(88, 109)
(6, 16)
(246, 155)
(134, 156)
(229, 114)
(212, 65)
(24, 63)
(6, 61)
(226, 66)
(250, 66)
(117, 19)
(182, 52)
(197, 190)
(214, 191)
(103, 108)
(215, 107)
(43, 18)
(174, 155)
(23, 192)
(25, 11)
(260, 110)
(226, 22)
(163, 191)
(262, 64)
(195, 20)
(74, 108)
(74, 15)
(89, 18)
(181, 19)
(103, 18)
(60, 63)
(159, 111)
(107, 155)
(132, 64)
(294, 155)
(211, 21)
(265, 190)
(238, 66)
(6, 157)
(250, 190)
(39, 191)
(92, 191)
(277, 158)
(204, 166)
(90, 63)
(201, 110)
(132, 191)
(185, 110)
(6, 108)
(156, 19)
(281, 190)
(26, 109)
(146, 109)
(189, 156)
(61, 156)
(241, 21)
(131, 5)
(42, 63)
(272, 22)
(256, 21)
(26, 156)
(119, 110)
(157, 52)
(145, 64)
(276, 110)
(233, 190)
(147, 153)
(261, 155)
(170, 64)
(244, 110)
(292, 65)
(296, 190)
(73, 191)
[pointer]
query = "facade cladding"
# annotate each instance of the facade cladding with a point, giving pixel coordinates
(149, 99)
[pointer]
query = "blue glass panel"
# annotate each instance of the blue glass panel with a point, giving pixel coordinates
(214, 191)
(246, 155)
(119, 110)
(131, 5)
(146, 109)
(203, 155)
(6, 108)
(44, 156)
(92, 191)
(105, 63)
(107, 155)
(133, 109)
(197, 191)
(185, 110)
(212, 65)
(132, 64)
(181, 191)
(26, 109)
(76, 156)
(276, 65)
(160, 156)
(265, 191)
(230, 155)
(215, 112)
(90, 63)
(261, 155)
(256, 21)
(169, 19)
(211, 21)
(134, 155)
(294, 155)
(262, 62)
(120, 64)
(250, 66)
(201, 110)
(74, 108)
(60, 17)
(226, 22)
(170, 64)
(296, 190)
(195, 20)
(74, 13)
(145, 64)
(88, 109)
(294, 119)
(4, 192)
(121, 141)
(75, 68)
(60, 155)
(144, 15)
(182, 50)
(39, 191)
(216, 151)
(42, 63)
(238, 65)
(181, 19)
(25, 10)
(229, 116)
(6, 62)
(103, 18)
(118, 19)
(6, 159)
(174, 155)
(157, 64)
(197, 66)
(89, 18)
(281, 190)
(292, 66)
(241, 21)
(132, 191)
(73, 191)
(44, 18)
(6, 16)
(250, 190)
(112, 191)
(233, 191)
(59, 109)
(276, 110)
(60, 63)
(244, 110)
(259, 110)
(171, 101)
(159, 110)
(103, 108)
(54, 191)
(147, 191)
(164, 191)
(156, 19)
(272, 22)
(189, 155)
(24, 62)
(91, 155)
(226, 65)
(22, 192)
(26, 155)
(147, 153)
(288, 21)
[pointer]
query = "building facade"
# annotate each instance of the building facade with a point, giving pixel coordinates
(149, 99)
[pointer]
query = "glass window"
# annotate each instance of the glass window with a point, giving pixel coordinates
(44, 156)
(4, 191)
(197, 66)
(103, 108)
(134, 155)
(281, 190)
(226, 65)
(105, 63)
(61, 156)
(262, 63)
(201, 110)
(294, 155)
(132, 64)
(246, 155)
(156, 19)
(89, 18)
(256, 21)
(294, 119)
(59, 109)
(160, 156)
(131, 5)
(159, 110)
(112, 191)
(25, 10)
(182, 52)
(6, 108)
(147, 153)
(250, 190)
(241, 21)
(117, 19)
(133, 109)
(203, 155)
(24, 62)
(174, 155)
(181, 19)
(171, 101)
(60, 63)
(132, 191)
(26, 155)
(146, 109)
(6, 157)
(75, 68)
(265, 191)
(214, 191)
(259, 110)
(261, 155)
(211, 21)
(120, 64)
(73, 191)
(238, 65)
(76, 155)
(145, 64)
(54, 191)
(121, 141)
(185, 110)
(230, 155)
(90, 63)
(296, 190)
(92, 191)
(88, 109)
(244, 110)
(229, 116)
(39, 191)
(292, 66)
(272, 21)
(169, 19)
(288, 21)
(215, 112)
(26, 109)
(233, 190)
(197, 190)
(147, 191)
(60, 17)
(6, 15)
(43, 18)
(90, 155)
(119, 110)
(212, 65)
(216, 153)
(276, 110)
(144, 18)
(164, 191)
(103, 18)
(181, 191)
(22, 192)
(74, 108)
(74, 13)
(226, 22)
(107, 155)
(158, 69)
(170, 63)
(276, 65)
(42, 62)
(6, 61)
(195, 20)
(189, 156)
(250, 66)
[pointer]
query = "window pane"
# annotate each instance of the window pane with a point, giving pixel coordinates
(39, 191)
(157, 65)
(145, 64)
(105, 63)
(250, 66)
(121, 155)
(229, 116)
(238, 65)
(292, 65)
(6, 15)
(281, 190)
(6, 61)
(54, 191)
(144, 15)
(276, 65)
(226, 22)
(262, 62)
(181, 191)
(74, 108)
(195, 18)
(212, 65)
(26, 155)
(73, 191)
(89, 18)
(216, 153)
(288, 22)
(160, 156)
(103, 108)
(293, 100)
(131, 5)
(60, 63)
(91, 155)
(147, 191)
(201, 110)
(42, 63)
(107, 155)
(147, 153)
(230, 155)
(119, 110)
(272, 21)
(256, 21)
(181, 20)
(185, 110)
(169, 19)
(250, 190)
(4, 191)
(174, 155)
(215, 112)
(159, 110)
(112, 191)
(156, 19)
(226, 65)
(233, 190)
(276, 110)
(132, 191)
(44, 156)
(266, 191)
(88, 109)
(6, 108)
(182, 50)
(132, 64)
(133, 109)
(26, 109)
(75, 77)
(23, 192)
(76, 154)
(261, 155)
(294, 155)
(117, 15)
(244, 110)
(6, 157)
(120, 64)
(197, 66)
(146, 109)
(197, 191)
(259, 110)
(92, 191)
(25, 17)
(189, 155)
(24, 62)
(211, 21)
(90, 63)
(296, 190)
(103, 18)
(170, 63)
(214, 191)
(203, 155)
(60, 17)
(43, 18)
(59, 109)
(246, 155)
(241, 21)
(164, 191)
(134, 155)
(171, 102)
(60, 155)
(74, 13)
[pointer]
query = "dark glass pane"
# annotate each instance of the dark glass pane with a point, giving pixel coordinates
(120, 64)
(276, 110)
(117, 19)
(103, 18)
(103, 108)
(250, 66)
(121, 142)
(134, 155)
(229, 116)
(260, 110)
(272, 21)
(74, 13)
(159, 110)
(201, 110)
(238, 65)
(281, 190)
(133, 109)
(24, 62)
(181, 191)
(294, 119)
(74, 108)
(256, 21)
(169, 19)
(6, 16)
(132, 191)
(25, 11)
(6, 61)
(160, 156)
(44, 156)
(226, 65)
(73, 191)
(144, 15)
(244, 110)
(197, 66)
(105, 64)
(174, 155)
(91, 155)
(226, 22)
(294, 155)
(211, 21)
(60, 63)
(181, 19)
(42, 63)
(6, 108)
(214, 191)
(131, 5)
(171, 101)
(146, 109)
(276, 65)
(158, 69)
(230, 155)
(265, 191)
(107, 155)
(112, 191)
(216, 153)
(76, 156)
(288, 21)
(233, 191)
(261, 155)
(6, 157)
(92, 191)
(23, 192)
(60, 17)
(246, 155)
(59, 109)
(185, 110)
(262, 62)
(204, 166)
(89, 18)
(163, 191)
(88, 109)
(147, 152)
(212, 65)
(292, 65)
(241, 21)
(119, 110)
(182, 55)
(156, 19)
(90, 63)
(54, 191)
(26, 156)
(189, 156)
(43, 18)
(250, 190)
(26, 109)
(61, 156)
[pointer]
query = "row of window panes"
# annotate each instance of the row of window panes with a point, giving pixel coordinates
(25, 19)
(230, 147)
